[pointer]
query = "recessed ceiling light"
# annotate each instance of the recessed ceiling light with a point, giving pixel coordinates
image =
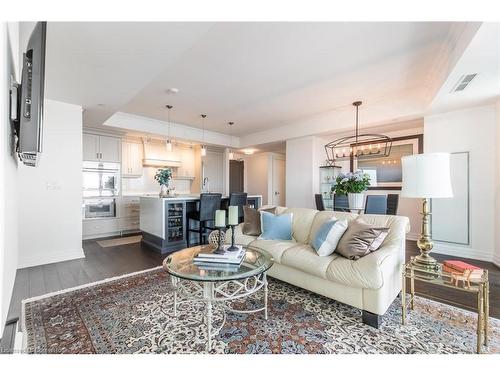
(248, 151)
(172, 90)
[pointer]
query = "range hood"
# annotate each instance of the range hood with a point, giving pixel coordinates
(156, 155)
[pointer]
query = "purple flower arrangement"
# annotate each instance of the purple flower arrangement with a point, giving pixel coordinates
(349, 182)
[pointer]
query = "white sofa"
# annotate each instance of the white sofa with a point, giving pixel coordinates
(370, 283)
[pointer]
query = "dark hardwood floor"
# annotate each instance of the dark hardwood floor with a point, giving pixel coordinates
(100, 263)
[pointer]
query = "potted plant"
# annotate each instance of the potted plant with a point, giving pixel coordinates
(163, 176)
(354, 186)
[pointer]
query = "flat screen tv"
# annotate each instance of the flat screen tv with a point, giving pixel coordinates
(31, 93)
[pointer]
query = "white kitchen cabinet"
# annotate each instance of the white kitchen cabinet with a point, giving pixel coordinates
(95, 228)
(101, 148)
(131, 159)
(90, 147)
(109, 147)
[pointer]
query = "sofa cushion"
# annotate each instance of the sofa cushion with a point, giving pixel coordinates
(303, 257)
(276, 227)
(360, 239)
(326, 239)
(251, 225)
(396, 224)
(323, 216)
(301, 223)
(275, 248)
(239, 237)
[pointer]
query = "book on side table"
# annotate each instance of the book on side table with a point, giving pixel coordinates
(222, 257)
(462, 271)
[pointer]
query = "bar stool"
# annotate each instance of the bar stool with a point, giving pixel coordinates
(240, 200)
(209, 203)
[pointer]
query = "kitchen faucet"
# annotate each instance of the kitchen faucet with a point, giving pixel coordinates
(206, 185)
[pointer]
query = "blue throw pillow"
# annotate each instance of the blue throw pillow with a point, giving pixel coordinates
(275, 227)
(328, 236)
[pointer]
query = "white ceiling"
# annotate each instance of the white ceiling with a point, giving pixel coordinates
(259, 75)
(482, 57)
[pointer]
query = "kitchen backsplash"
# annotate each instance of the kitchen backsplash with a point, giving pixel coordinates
(147, 184)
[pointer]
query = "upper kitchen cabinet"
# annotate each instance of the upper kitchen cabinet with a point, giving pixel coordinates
(131, 159)
(109, 147)
(101, 148)
(90, 147)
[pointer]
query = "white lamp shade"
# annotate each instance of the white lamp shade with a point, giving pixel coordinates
(426, 176)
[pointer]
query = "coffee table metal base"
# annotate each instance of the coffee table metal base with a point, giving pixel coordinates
(218, 294)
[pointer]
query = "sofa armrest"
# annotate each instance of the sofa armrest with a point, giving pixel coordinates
(382, 264)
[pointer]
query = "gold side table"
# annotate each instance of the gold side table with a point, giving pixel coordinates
(438, 277)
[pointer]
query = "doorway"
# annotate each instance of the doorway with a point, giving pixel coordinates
(236, 176)
(278, 182)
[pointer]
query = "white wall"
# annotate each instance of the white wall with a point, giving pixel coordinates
(471, 130)
(496, 256)
(257, 169)
(9, 50)
(50, 196)
(303, 158)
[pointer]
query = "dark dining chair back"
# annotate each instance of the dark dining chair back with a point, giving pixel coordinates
(376, 204)
(240, 200)
(340, 203)
(392, 204)
(320, 205)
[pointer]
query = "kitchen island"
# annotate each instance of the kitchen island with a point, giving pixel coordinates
(163, 221)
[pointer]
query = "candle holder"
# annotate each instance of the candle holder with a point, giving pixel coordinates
(232, 247)
(220, 247)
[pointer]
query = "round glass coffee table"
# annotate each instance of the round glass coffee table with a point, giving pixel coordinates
(217, 286)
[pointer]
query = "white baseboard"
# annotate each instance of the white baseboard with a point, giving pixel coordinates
(462, 252)
(53, 257)
(496, 260)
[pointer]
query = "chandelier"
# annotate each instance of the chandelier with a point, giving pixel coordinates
(360, 146)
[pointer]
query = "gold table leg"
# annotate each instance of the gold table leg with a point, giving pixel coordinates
(486, 313)
(480, 305)
(412, 290)
(403, 299)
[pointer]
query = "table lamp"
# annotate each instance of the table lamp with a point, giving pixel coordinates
(426, 176)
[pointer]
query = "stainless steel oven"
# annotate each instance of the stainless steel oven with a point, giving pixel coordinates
(101, 179)
(99, 208)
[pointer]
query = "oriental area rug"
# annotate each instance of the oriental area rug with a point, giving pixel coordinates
(134, 314)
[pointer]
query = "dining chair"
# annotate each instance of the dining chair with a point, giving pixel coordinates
(340, 203)
(320, 205)
(392, 204)
(376, 204)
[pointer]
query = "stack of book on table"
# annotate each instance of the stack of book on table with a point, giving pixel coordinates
(457, 267)
(224, 260)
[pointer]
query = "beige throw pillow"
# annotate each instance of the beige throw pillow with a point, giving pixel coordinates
(251, 224)
(361, 239)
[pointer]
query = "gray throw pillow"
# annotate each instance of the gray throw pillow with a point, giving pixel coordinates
(251, 224)
(361, 239)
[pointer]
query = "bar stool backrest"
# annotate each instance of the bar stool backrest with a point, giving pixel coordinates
(238, 199)
(209, 203)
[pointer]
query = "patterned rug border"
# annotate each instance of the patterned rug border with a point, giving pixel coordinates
(68, 290)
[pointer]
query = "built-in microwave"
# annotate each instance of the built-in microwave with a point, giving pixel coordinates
(101, 179)
(99, 208)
